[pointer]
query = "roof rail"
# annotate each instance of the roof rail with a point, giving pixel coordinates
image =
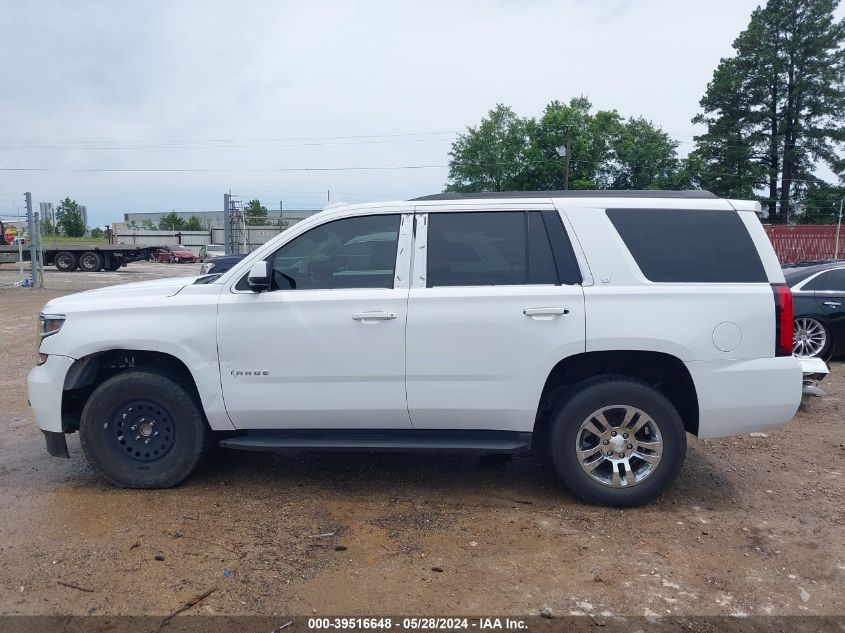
(572, 193)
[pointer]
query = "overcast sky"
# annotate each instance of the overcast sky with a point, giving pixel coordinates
(254, 91)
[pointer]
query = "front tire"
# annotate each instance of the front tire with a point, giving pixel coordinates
(617, 442)
(140, 429)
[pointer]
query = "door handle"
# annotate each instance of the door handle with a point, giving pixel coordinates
(381, 315)
(833, 304)
(545, 312)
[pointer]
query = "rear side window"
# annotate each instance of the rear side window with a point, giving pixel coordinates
(498, 248)
(832, 280)
(476, 249)
(695, 246)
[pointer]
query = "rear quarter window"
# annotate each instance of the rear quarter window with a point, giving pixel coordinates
(693, 246)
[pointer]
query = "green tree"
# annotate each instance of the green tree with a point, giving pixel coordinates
(776, 109)
(506, 152)
(69, 218)
(588, 136)
(47, 227)
(193, 223)
(132, 224)
(255, 214)
(729, 163)
(494, 156)
(97, 233)
(643, 157)
(819, 203)
(149, 225)
(171, 222)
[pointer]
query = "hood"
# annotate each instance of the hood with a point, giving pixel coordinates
(155, 288)
(182, 253)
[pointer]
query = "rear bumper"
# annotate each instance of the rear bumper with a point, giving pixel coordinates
(737, 397)
(813, 367)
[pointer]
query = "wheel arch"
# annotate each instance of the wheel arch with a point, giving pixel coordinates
(88, 372)
(665, 372)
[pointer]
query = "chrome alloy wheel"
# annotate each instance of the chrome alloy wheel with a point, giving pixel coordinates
(808, 338)
(619, 446)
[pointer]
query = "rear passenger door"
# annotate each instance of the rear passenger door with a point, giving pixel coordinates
(496, 301)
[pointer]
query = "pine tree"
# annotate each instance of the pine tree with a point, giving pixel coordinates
(775, 110)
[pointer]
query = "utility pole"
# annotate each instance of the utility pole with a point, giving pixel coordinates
(39, 249)
(33, 252)
(838, 230)
(227, 226)
(567, 157)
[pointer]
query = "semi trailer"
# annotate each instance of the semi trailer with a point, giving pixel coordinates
(87, 257)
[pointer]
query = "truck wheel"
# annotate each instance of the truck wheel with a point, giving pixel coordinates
(617, 442)
(65, 261)
(115, 264)
(140, 429)
(90, 262)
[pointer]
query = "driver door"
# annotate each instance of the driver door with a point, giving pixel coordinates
(325, 347)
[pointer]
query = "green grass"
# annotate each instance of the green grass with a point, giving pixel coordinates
(45, 240)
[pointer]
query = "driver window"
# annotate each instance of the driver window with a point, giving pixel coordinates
(355, 252)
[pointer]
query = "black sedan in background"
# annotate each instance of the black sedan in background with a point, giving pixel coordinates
(217, 265)
(818, 294)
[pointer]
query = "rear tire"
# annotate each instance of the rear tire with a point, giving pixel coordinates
(90, 262)
(115, 264)
(601, 466)
(65, 261)
(140, 429)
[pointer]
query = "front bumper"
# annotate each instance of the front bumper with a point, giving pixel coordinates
(45, 384)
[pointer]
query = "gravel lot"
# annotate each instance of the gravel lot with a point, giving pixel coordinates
(753, 526)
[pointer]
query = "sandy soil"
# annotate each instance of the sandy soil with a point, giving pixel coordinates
(754, 525)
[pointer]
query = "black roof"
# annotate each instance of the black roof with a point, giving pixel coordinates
(696, 194)
(797, 274)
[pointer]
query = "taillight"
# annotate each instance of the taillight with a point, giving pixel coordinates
(783, 320)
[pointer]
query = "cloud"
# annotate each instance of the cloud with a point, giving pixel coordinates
(89, 75)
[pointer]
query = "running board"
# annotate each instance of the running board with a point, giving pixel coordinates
(381, 440)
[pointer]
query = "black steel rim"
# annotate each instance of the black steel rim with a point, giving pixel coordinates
(141, 431)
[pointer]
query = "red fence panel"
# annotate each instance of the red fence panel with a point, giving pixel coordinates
(797, 242)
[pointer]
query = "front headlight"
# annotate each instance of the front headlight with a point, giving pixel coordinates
(50, 324)
(206, 268)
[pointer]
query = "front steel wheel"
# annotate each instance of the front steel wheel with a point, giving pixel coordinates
(143, 429)
(809, 338)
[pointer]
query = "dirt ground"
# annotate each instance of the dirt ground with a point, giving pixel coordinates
(754, 525)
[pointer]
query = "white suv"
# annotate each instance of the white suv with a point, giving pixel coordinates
(601, 327)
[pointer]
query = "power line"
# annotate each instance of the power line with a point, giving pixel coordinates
(214, 170)
(224, 145)
(190, 142)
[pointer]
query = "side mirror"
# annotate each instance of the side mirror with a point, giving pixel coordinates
(259, 277)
